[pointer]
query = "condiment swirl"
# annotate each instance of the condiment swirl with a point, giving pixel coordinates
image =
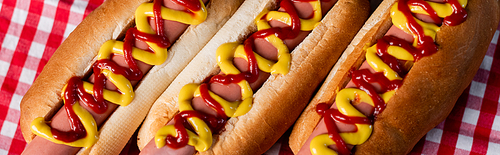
(386, 58)
(204, 125)
(83, 131)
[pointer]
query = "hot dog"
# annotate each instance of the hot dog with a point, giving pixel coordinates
(251, 81)
(107, 61)
(414, 94)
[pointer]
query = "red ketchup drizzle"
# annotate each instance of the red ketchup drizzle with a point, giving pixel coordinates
(332, 115)
(194, 5)
(363, 78)
(96, 102)
(71, 95)
(211, 102)
(251, 75)
(360, 82)
(427, 7)
(425, 44)
(282, 33)
(458, 16)
(310, 0)
(214, 123)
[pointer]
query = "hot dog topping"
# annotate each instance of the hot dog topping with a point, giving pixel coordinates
(176, 135)
(83, 131)
(386, 58)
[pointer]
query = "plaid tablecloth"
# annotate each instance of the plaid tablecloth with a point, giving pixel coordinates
(31, 30)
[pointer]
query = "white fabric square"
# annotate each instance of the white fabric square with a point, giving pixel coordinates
(470, 116)
(19, 16)
(486, 64)
(15, 103)
(2, 151)
(9, 129)
(477, 89)
(464, 142)
(79, 6)
(10, 42)
(51, 2)
(36, 50)
(45, 24)
(69, 29)
(495, 37)
(496, 123)
(434, 135)
(493, 148)
(4, 68)
(27, 76)
(275, 149)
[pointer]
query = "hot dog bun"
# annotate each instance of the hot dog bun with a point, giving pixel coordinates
(77, 54)
(429, 90)
(281, 98)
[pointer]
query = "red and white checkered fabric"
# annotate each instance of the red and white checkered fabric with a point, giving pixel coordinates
(473, 127)
(31, 30)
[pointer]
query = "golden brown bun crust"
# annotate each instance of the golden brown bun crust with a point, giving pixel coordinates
(43, 98)
(433, 84)
(281, 99)
(374, 28)
(202, 66)
(109, 21)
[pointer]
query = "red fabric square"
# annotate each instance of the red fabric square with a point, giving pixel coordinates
(454, 117)
(419, 147)
(7, 11)
(482, 133)
(55, 39)
(494, 78)
(449, 137)
(9, 85)
(26, 38)
(445, 148)
(33, 19)
(5, 97)
(17, 146)
(490, 104)
(479, 145)
(481, 76)
(93, 4)
(17, 63)
(36, 7)
(491, 50)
